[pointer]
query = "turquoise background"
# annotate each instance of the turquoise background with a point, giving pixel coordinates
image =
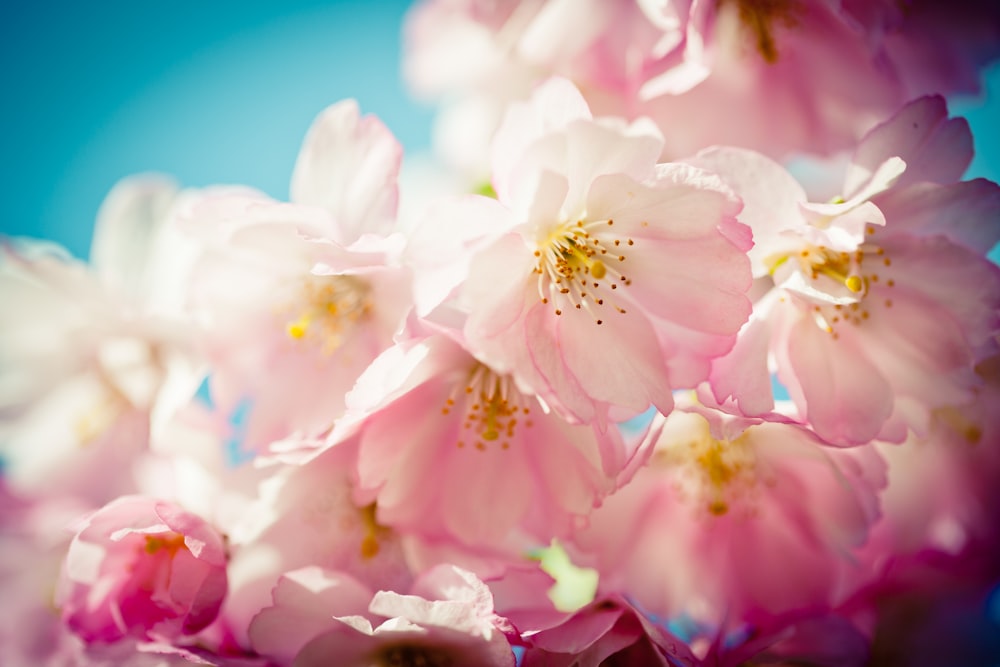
(210, 92)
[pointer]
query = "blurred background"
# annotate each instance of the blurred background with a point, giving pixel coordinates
(210, 92)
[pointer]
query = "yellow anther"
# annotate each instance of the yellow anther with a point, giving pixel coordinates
(369, 543)
(369, 546)
(854, 283)
(718, 507)
(173, 542)
(298, 328)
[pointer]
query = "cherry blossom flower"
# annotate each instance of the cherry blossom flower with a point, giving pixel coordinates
(608, 631)
(142, 568)
(33, 544)
(452, 432)
(803, 76)
(448, 618)
(599, 279)
(880, 312)
(508, 47)
(940, 494)
(806, 638)
(304, 514)
(434, 426)
(301, 297)
(756, 517)
(93, 358)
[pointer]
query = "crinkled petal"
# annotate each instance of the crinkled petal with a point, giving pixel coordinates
(348, 165)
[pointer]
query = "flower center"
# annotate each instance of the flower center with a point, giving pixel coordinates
(829, 271)
(579, 266)
(953, 418)
(711, 473)
(373, 530)
(408, 655)
(492, 406)
(758, 17)
(171, 542)
(328, 308)
(98, 417)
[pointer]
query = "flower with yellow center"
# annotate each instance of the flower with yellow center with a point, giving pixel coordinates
(580, 266)
(328, 308)
(712, 473)
(493, 408)
(837, 284)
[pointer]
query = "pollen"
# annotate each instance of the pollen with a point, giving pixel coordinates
(100, 416)
(372, 531)
(492, 410)
(172, 543)
(714, 476)
(758, 18)
(326, 309)
(298, 328)
(846, 276)
(572, 268)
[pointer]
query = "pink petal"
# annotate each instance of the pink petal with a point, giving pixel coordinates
(619, 362)
(847, 398)
(934, 147)
(553, 105)
(348, 165)
(305, 602)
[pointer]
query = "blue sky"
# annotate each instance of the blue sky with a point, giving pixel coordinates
(210, 92)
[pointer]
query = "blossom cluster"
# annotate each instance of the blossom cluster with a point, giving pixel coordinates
(623, 391)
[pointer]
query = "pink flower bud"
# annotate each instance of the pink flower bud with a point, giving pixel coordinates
(142, 568)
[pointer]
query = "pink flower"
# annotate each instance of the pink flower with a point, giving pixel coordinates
(941, 490)
(434, 427)
(298, 298)
(291, 318)
(607, 48)
(608, 631)
(305, 514)
(447, 619)
(599, 279)
(348, 166)
(807, 638)
(802, 76)
(735, 518)
(880, 312)
(142, 568)
(93, 358)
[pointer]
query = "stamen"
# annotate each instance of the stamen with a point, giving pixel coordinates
(714, 474)
(328, 308)
(491, 406)
(570, 269)
(369, 543)
(172, 542)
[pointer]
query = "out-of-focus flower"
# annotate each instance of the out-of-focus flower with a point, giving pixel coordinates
(142, 568)
(777, 76)
(609, 631)
(447, 619)
(33, 543)
(297, 299)
(810, 637)
(93, 358)
(305, 514)
(755, 516)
